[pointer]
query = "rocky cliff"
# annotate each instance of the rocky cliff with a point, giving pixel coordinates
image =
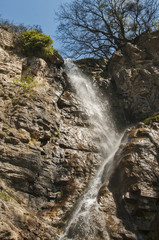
(135, 73)
(47, 155)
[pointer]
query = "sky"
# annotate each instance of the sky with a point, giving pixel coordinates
(33, 12)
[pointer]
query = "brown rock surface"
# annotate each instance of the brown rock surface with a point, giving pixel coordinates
(135, 71)
(46, 152)
(47, 156)
(130, 200)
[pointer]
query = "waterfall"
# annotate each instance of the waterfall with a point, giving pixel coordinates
(81, 224)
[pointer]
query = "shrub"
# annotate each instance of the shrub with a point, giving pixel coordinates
(26, 82)
(35, 43)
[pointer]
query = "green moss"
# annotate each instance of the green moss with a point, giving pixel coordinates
(98, 76)
(15, 98)
(26, 82)
(155, 116)
(4, 196)
(59, 194)
(59, 133)
(35, 43)
(32, 141)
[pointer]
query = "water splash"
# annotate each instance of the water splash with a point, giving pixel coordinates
(99, 117)
(86, 214)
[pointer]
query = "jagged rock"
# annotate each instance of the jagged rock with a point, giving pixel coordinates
(47, 155)
(135, 72)
(56, 59)
(130, 200)
(7, 39)
(97, 71)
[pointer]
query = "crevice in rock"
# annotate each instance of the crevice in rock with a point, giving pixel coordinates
(61, 145)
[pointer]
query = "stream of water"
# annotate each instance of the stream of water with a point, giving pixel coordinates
(81, 223)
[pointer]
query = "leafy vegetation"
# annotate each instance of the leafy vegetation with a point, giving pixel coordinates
(32, 42)
(35, 43)
(26, 82)
(4, 196)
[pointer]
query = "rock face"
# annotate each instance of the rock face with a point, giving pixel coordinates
(130, 200)
(47, 156)
(97, 70)
(135, 71)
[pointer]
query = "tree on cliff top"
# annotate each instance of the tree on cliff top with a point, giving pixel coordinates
(98, 27)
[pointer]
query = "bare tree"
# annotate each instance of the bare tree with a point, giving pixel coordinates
(98, 27)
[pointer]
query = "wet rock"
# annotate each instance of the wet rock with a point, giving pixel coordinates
(130, 200)
(47, 154)
(48, 157)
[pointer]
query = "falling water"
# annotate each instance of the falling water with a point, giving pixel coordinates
(81, 224)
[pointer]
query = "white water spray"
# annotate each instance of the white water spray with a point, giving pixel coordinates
(80, 225)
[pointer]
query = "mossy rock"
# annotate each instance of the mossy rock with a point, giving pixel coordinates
(154, 117)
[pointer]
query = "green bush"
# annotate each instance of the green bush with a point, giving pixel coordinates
(26, 82)
(35, 43)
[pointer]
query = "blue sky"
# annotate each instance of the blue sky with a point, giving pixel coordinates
(33, 12)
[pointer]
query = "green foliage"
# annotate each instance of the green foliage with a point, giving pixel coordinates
(59, 133)
(35, 43)
(4, 196)
(155, 116)
(26, 82)
(58, 194)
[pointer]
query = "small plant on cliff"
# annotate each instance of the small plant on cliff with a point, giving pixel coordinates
(35, 43)
(26, 83)
(4, 196)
